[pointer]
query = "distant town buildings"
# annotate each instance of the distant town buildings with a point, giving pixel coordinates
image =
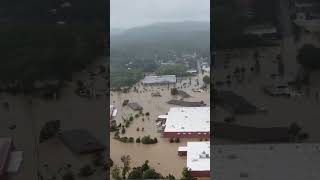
(198, 158)
(159, 80)
(186, 122)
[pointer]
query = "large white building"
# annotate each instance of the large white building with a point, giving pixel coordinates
(165, 79)
(187, 122)
(198, 157)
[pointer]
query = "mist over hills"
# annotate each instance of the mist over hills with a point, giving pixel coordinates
(162, 37)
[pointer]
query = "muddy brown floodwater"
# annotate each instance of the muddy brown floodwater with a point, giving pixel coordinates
(163, 156)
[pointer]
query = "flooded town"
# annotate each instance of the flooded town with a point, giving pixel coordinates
(160, 90)
(266, 90)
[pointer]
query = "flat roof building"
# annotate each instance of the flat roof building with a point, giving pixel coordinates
(198, 158)
(113, 112)
(165, 79)
(187, 122)
(10, 160)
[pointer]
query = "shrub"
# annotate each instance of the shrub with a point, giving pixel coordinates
(138, 129)
(171, 140)
(127, 124)
(68, 176)
(155, 140)
(136, 116)
(135, 174)
(147, 140)
(86, 171)
(138, 140)
(123, 130)
(174, 91)
(147, 114)
(131, 139)
(177, 140)
(124, 139)
(131, 118)
(151, 174)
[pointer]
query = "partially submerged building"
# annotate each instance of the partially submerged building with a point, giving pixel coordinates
(113, 114)
(198, 158)
(81, 141)
(234, 103)
(135, 106)
(10, 160)
(266, 161)
(186, 103)
(159, 80)
(186, 122)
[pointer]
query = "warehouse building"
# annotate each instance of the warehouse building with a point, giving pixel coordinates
(186, 122)
(198, 157)
(159, 80)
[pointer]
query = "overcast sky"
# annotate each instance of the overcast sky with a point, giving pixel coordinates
(131, 13)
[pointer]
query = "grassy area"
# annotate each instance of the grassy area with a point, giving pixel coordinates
(125, 77)
(176, 69)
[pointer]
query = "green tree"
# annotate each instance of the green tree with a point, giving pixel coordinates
(115, 173)
(206, 80)
(136, 173)
(151, 174)
(170, 177)
(126, 160)
(145, 166)
(138, 140)
(186, 174)
(174, 91)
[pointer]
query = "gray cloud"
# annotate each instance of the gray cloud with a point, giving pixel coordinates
(131, 13)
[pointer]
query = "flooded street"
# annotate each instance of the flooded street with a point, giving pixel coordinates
(282, 111)
(162, 156)
(29, 114)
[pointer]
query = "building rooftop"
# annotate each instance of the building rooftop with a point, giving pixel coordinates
(5, 145)
(135, 106)
(113, 111)
(198, 156)
(81, 141)
(266, 161)
(159, 79)
(188, 119)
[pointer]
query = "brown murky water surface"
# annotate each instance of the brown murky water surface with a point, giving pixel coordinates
(162, 156)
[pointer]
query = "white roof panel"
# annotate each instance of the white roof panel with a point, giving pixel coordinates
(198, 156)
(159, 79)
(188, 119)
